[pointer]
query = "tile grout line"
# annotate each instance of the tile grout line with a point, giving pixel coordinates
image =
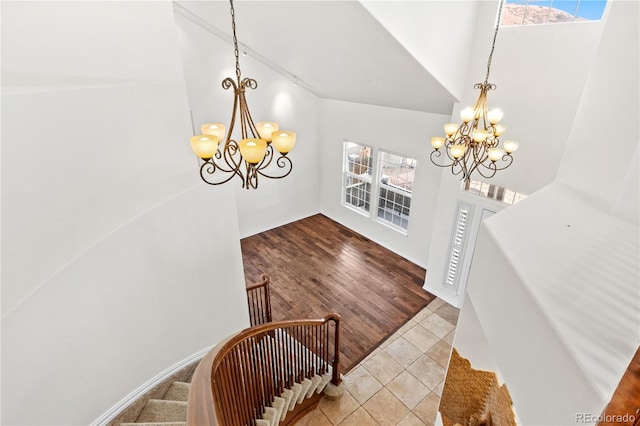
(373, 392)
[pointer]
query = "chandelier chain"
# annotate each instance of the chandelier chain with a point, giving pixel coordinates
(493, 44)
(236, 52)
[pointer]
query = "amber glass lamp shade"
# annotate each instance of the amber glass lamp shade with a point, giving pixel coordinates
(266, 129)
(437, 142)
(458, 150)
(214, 129)
(495, 154)
(204, 146)
(253, 150)
(511, 146)
(283, 140)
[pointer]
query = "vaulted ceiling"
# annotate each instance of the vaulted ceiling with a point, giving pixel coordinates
(336, 49)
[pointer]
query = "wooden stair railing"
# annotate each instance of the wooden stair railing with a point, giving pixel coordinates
(241, 376)
(259, 301)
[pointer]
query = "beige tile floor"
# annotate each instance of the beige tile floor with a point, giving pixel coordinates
(400, 382)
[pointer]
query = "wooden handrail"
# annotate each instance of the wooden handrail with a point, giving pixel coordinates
(241, 376)
(259, 301)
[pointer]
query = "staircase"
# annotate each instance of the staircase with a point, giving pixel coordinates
(171, 410)
(270, 374)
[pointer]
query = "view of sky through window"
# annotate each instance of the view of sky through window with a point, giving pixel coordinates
(525, 12)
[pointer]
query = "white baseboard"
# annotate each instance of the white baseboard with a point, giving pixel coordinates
(125, 402)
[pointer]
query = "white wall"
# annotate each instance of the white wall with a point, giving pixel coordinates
(610, 101)
(471, 342)
(390, 129)
(533, 67)
(117, 262)
(208, 59)
(413, 24)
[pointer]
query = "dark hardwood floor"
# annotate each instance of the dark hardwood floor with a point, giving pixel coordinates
(318, 266)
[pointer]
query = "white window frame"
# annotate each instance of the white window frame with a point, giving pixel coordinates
(393, 188)
(365, 177)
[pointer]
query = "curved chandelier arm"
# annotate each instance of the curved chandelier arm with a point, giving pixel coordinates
(208, 173)
(457, 166)
(488, 171)
(251, 180)
(250, 83)
(435, 155)
(229, 153)
(284, 163)
(228, 83)
(484, 86)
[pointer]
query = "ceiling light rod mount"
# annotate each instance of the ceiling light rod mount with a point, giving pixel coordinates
(473, 145)
(258, 143)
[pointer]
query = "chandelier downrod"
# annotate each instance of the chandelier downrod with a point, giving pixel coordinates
(259, 145)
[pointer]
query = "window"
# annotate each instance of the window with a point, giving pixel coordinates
(499, 193)
(528, 12)
(357, 176)
(395, 181)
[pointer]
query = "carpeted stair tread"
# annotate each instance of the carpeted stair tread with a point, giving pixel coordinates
(315, 382)
(271, 414)
(296, 389)
(161, 411)
(287, 395)
(179, 391)
(306, 385)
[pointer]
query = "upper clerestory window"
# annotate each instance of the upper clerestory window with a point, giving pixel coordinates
(531, 12)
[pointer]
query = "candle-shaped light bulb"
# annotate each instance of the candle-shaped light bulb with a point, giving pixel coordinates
(437, 142)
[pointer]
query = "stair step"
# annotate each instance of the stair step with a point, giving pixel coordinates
(271, 414)
(278, 404)
(287, 395)
(179, 391)
(306, 385)
(315, 382)
(161, 411)
(296, 389)
(326, 377)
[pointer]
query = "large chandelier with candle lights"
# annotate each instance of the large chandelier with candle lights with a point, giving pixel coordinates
(474, 145)
(260, 144)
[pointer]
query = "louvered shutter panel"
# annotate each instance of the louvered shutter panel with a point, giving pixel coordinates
(464, 212)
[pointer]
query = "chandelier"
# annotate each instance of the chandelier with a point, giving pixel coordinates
(474, 145)
(259, 143)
